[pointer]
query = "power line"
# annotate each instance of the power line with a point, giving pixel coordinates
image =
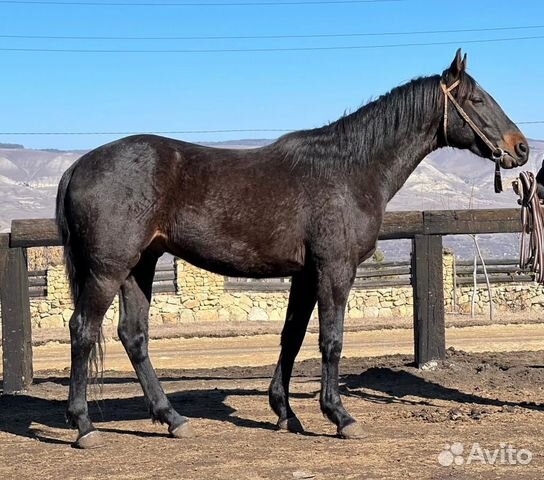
(272, 36)
(192, 4)
(165, 132)
(188, 132)
(272, 49)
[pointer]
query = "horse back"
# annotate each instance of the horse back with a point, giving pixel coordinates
(239, 212)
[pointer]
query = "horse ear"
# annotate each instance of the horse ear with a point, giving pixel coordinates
(464, 62)
(458, 65)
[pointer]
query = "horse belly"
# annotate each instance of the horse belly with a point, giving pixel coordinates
(241, 255)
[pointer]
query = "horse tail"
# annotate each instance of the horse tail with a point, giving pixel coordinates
(70, 261)
(76, 272)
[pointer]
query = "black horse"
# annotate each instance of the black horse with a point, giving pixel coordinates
(309, 206)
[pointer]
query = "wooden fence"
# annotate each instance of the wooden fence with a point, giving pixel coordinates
(163, 282)
(37, 283)
(369, 275)
(498, 271)
(425, 229)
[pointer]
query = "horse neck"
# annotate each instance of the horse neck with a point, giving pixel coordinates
(396, 141)
(377, 147)
(397, 164)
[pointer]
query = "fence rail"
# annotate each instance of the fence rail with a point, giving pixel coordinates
(163, 282)
(369, 275)
(498, 271)
(37, 283)
(425, 229)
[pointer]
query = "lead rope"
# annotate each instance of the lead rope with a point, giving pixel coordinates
(531, 253)
(496, 152)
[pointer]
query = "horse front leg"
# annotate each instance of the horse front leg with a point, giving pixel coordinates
(335, 282)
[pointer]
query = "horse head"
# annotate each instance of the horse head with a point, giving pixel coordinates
(473, 120)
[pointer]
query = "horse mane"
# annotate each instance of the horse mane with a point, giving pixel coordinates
(354, 139)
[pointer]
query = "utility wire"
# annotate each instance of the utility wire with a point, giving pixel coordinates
(193, 4)
(272, 36)
(165, 132)
(187, 132)
(273, 49)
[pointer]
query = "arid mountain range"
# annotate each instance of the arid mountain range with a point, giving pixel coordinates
(446, 179)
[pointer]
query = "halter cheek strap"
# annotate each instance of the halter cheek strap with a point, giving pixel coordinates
(496, 153)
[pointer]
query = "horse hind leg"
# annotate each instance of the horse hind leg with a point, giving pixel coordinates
(302, 300)
(85, 327)
(134, 304)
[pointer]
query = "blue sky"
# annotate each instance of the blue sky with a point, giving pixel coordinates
(95, 92)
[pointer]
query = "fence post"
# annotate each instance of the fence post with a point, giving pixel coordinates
(16, 324)
(428, 287)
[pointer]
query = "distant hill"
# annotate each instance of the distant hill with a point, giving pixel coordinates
(446, 179)
(11, 145)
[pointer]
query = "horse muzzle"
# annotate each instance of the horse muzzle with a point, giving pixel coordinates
(515, 149)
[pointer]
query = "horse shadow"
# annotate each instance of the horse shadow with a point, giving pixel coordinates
(18, 413)
(386, 385)
(395, 385)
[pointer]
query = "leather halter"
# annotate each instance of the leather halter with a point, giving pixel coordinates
(497, 153)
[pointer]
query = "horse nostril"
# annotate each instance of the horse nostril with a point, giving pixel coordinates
(522, 149)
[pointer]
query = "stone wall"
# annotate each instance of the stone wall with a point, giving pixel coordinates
(202, 296)
(506, 298)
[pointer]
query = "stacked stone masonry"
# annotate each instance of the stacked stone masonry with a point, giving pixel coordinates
(201, 296)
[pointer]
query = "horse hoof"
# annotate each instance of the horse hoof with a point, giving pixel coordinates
(183, 431)
(90, 440)
(291, 424)
(352, 431)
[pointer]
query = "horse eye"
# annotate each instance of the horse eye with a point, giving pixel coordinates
(476, 99)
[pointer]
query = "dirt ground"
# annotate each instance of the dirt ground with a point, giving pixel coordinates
(491, 400)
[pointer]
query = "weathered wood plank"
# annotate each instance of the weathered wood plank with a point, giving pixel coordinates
(34, 233)
(385, 282)
(490, 261)
(4, 240)
(37, 281)
(43, 232)
(375, 265)
(398, 224)
(256, 286)
(383, 272)
(37, 292)
(429, 325)
(165, 275)
(455, 222)
(401, 225)
(170, 288)
(37, 273)
(481, 280)
(506, 269)
(16, 325)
